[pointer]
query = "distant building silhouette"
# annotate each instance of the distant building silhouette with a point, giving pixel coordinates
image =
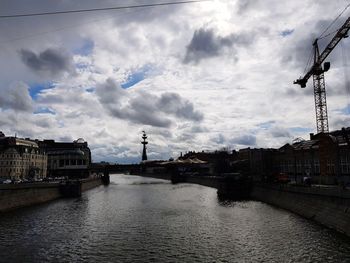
(324, 158)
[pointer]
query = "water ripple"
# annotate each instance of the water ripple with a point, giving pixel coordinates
(147, 220)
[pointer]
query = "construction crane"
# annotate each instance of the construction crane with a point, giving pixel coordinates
(317, 73)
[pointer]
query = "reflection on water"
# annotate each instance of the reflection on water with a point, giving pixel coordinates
(138, 219)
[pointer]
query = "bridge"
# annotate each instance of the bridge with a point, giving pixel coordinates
(230, 185)
(114, 168)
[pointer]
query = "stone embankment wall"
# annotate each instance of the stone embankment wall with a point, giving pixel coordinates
(19, 195)
(328, 206)
(156, 176)
(210, 181)
(90, 183)
(14, 196)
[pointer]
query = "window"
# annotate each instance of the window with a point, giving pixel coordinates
(330, 167)
(299, 166)
(345, 164)
(317, 166)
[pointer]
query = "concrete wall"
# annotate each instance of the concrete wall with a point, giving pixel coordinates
(14, 196)
(328, 206)
(90, 183)
(209, 181)
(156, 176)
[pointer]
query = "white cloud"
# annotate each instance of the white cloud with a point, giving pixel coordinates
(242, 75)
(16, 97)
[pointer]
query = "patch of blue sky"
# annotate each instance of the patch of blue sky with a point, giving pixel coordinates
(300, 130)
(86, 48)
(90, 90)
(345, 110)
(81, 65)
(287, 32)
(266, 125)
(36, 88)
(136, 76)
(44, 110)
(60, 124)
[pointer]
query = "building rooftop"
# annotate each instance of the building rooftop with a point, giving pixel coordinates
(14, 141)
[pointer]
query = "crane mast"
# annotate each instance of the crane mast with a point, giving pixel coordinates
(317, 73)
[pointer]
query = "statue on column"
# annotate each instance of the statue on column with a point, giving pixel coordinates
(144, 142)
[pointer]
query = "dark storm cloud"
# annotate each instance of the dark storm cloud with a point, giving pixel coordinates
(16, 97)
(279, 132)
(173, 103)
(53, 22)
(248, 140)
(339, 122)
(205, 44)
(145, 108)
(142, 109)
(300, 51)
(51, 62)
(44, 123)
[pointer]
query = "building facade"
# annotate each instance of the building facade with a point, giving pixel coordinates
(220, 161)
(257, 162)
(70, 159)
(21, 159)
(325, 158)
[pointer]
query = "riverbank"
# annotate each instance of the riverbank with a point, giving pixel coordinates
(14, 196)
(145, 220)
(328, 206)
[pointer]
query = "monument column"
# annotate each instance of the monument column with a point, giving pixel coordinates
(144, 142)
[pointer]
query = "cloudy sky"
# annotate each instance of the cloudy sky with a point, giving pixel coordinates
(199, 76)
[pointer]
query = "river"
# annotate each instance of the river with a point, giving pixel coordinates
(138, 219)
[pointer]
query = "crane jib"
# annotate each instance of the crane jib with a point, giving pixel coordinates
(341, 33)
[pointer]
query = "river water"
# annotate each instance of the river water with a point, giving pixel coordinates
(138, 219)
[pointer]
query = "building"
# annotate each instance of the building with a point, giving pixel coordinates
(325, 158)
(21, 159)
(70, 159)
(257, 162)
(220, 162)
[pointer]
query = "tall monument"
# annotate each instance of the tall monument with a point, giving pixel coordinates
(144, 142)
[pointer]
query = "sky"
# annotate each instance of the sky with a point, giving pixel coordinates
(201, 76)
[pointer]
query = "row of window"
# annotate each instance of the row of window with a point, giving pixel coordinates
(66, 162)
(305, 167)
(18, 170)
(18, 173)
(18, 163)
(25, 156)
